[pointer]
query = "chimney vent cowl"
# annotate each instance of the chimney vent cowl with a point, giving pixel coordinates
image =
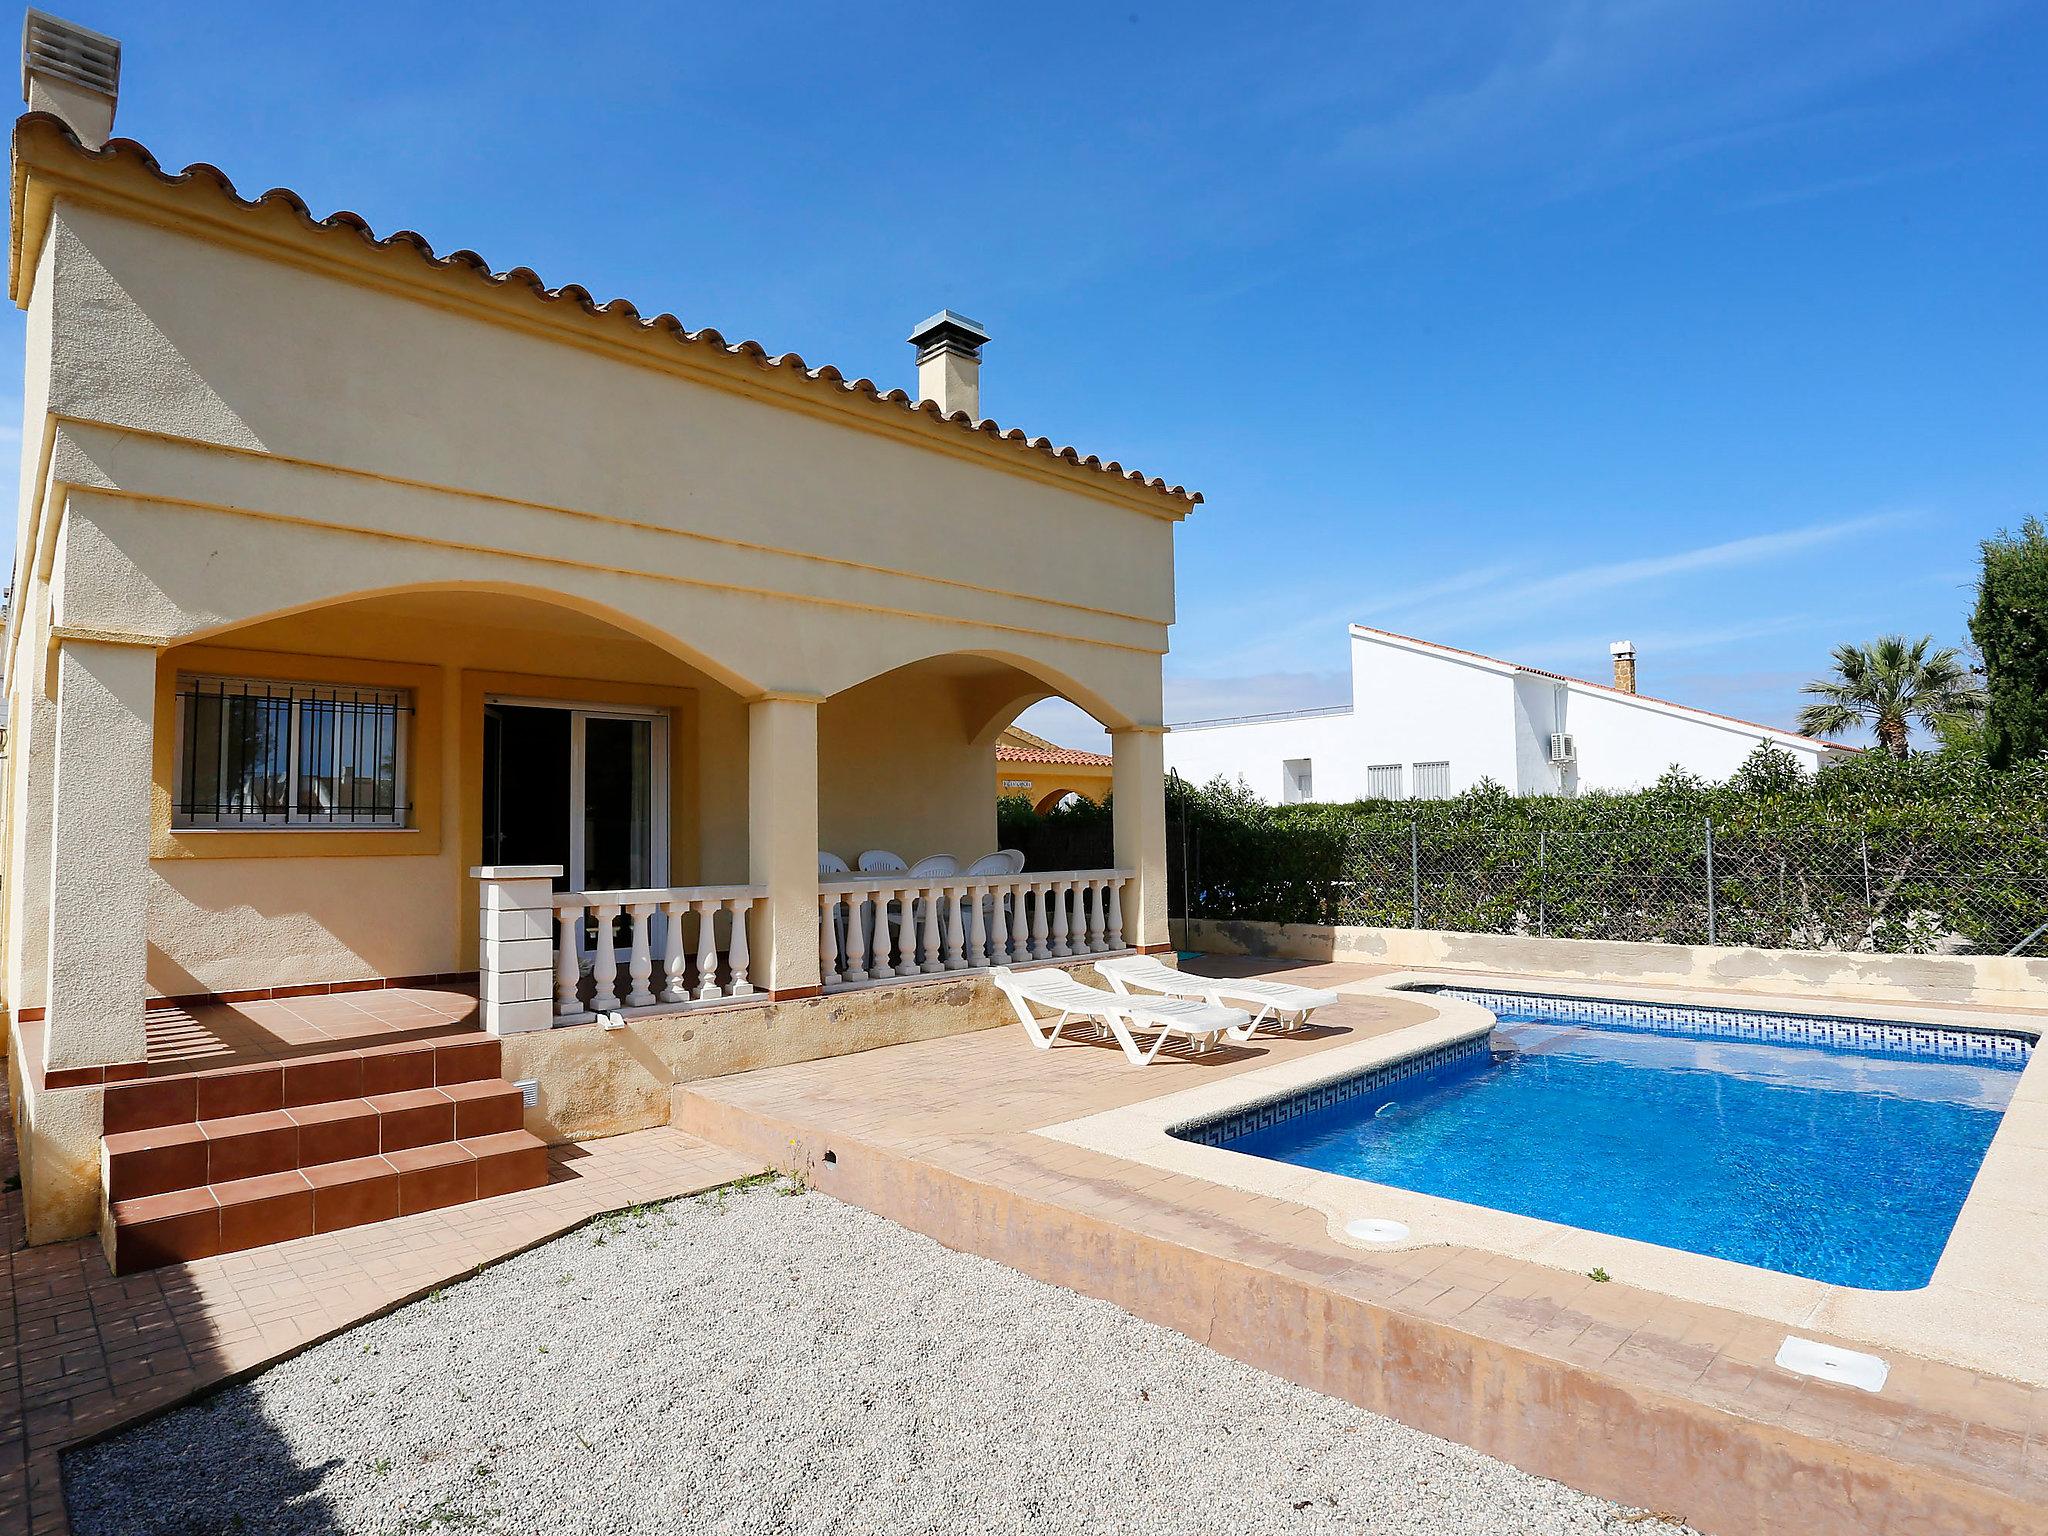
(949, 362)
(1624, 654)
(71, 72)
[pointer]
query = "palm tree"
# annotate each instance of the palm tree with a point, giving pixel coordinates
(1890, 684)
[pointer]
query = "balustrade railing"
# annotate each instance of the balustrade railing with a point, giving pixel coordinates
(876, 927)
(676, 932)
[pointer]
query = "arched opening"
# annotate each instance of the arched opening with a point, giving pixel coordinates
(916, 790)
(1061, 800)
(328, 777)
(908, 761)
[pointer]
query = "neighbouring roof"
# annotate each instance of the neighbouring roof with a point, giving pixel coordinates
(787, 367)
(1619, 693)
(1020, 746)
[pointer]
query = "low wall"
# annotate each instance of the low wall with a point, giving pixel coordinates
(600, 1082)
(1984, 981)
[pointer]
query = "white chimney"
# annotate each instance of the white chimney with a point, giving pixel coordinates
(1624, 654)
(72, 73)
(949, 362)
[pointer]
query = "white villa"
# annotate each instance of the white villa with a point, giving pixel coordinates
(1427, 721)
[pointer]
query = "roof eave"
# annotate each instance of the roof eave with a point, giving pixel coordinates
(48, 160)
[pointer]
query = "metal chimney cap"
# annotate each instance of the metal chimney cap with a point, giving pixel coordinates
(50, 45)
(948, 330)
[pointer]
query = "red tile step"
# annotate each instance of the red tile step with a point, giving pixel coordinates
(224, 1093)
(157, 1161)
(197, 1223)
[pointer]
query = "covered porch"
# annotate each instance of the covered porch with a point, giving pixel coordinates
(470, 791)
(899, 879)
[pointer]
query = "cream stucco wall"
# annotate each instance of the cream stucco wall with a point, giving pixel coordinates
(256, 445)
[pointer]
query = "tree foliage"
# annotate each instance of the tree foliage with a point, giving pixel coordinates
(1890, 685)
(2010, 629)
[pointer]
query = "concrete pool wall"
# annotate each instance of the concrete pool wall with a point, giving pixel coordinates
(1981, 981)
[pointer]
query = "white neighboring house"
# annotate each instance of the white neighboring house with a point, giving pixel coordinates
(1427, 721)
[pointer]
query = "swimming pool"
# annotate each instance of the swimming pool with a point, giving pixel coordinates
(1836, 1149)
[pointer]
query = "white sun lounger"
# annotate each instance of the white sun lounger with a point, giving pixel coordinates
(1269, 1002)
(1061, 995)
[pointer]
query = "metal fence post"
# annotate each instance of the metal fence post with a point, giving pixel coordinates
(1712, 936)
(1542, 883)
(1414, 873)
(1869, 897)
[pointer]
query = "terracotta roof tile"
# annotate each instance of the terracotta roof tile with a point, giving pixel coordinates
(824, 376)
(1068, 757)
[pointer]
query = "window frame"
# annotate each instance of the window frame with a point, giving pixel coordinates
(1400, 780)
(1440, 779)
(297, 692)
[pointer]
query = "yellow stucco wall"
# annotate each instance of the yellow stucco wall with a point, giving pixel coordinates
(1041, 783)
(253, 444)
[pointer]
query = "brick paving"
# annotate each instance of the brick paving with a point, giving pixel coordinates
(83, 1352)
(937, 1134)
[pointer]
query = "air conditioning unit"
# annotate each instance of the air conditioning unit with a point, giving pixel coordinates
(1562, 748)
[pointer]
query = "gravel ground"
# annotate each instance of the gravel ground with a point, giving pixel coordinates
(750, 1361)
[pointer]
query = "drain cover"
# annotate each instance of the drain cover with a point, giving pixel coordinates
(1830, 1362)
(1373, 1229)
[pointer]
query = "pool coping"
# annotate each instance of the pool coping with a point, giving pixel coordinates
(1986, 1306)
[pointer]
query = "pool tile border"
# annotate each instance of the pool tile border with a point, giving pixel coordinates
(1216, 1130)
(1942, 1043)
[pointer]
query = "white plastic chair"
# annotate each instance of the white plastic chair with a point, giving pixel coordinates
(1277, 1002)
(1202, 1024)
(878, 861)
(1004, 861)
(831, 864)
(935, 864)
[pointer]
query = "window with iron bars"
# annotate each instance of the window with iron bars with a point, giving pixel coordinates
(254, 752)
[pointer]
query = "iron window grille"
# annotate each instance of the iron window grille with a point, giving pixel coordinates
(1433, 781)
(1383, 781)
(253, 752)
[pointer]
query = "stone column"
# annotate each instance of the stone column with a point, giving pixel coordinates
(99, 859)
(782, 842)
(31, 728)
(515, 961)
(1139, 786)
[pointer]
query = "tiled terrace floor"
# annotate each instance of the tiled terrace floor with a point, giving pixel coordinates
(1626, 1393)
(208, 1035)
(82, 1352)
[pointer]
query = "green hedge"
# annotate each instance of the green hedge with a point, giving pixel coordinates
(1938, 853)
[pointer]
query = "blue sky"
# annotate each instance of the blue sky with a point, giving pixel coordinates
(1518, 327)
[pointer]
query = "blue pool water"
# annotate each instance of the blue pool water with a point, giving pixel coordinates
(1843, 1156)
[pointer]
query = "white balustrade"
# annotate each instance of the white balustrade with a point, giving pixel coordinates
(877, 927)
(656, 920)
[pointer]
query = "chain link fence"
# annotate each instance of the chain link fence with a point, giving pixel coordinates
(1647, 878)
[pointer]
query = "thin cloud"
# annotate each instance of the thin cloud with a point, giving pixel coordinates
(1211, 698)
(1610, 576)
(1587, 652)
(1814, 191)
(1276, 647)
